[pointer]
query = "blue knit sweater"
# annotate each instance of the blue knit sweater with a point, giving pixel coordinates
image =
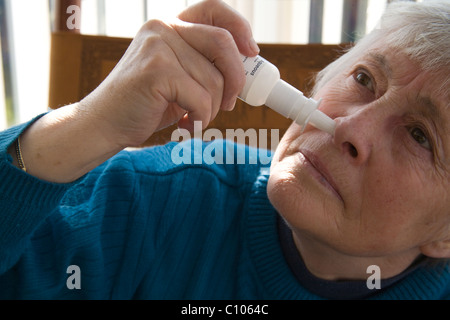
(141, 227)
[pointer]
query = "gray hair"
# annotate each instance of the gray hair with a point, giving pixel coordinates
(420, 30)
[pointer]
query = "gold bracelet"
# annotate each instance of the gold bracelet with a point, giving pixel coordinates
(19, 156)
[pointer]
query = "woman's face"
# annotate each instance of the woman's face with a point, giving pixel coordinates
(380, 186)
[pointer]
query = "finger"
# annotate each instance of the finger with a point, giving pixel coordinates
(240, 29)
(218, 46)
(199, 67)
(193, 63)
(219, 14)
(194, 99)
(183, 95)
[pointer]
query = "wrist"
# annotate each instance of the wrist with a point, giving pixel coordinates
(63, 145)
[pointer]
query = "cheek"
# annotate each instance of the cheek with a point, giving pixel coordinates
(384, 198)
(402, 207)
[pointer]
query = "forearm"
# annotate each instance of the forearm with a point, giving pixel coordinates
(64, 145)
(178, 72)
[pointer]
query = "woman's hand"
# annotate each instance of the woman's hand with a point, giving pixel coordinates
(179, 71)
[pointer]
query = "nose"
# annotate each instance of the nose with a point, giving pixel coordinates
(358, 134)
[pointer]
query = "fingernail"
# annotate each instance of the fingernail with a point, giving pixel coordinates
(254, 45)
(230, 106)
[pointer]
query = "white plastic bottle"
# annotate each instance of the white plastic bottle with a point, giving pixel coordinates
(264, 86)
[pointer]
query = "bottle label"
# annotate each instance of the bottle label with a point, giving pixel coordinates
(252, 65)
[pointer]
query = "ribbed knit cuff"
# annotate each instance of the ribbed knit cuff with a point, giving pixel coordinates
(25, 201)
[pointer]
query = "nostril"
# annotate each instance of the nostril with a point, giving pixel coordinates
(350, 148)
(353, 151)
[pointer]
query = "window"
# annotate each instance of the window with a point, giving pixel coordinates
(25, 45)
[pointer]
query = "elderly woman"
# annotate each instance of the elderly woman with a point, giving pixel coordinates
(361, 214)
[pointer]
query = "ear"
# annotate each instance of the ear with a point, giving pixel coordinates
(437, 249)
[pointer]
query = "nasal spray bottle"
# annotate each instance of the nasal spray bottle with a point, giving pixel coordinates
(264, 86)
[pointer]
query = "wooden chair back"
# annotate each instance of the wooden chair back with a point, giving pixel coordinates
(79, 63)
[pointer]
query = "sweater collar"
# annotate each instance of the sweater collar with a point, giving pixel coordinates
(265, 249)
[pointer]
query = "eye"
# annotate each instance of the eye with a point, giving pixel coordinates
(364, 79)
(420, 137)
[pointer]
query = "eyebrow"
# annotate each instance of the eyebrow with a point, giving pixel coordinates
(427, 106)
(382, 61)
(432, 110)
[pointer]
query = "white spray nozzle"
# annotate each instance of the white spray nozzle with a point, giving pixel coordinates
(264, 86)
(321, 121)
(291, 103)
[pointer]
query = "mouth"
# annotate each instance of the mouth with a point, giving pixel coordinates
(318, 170)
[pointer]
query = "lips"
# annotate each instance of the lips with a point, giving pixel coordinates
(320, 172)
